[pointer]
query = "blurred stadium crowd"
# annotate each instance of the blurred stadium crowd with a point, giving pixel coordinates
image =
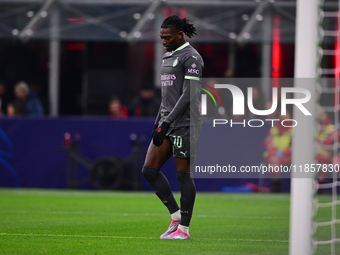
(118, 71)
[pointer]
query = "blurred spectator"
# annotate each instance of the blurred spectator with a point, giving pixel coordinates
(33, 105)
(325, 139)
(278, 145)
(336, 158)
(228, 73)
(146, 104)
(116, 109)
(15, 108)
(3, 99)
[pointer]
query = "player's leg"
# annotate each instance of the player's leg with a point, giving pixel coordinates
(155, 159)
(188, 194)
(157, 156)
(184, 156)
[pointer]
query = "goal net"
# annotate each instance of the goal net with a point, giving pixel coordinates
(326, 202)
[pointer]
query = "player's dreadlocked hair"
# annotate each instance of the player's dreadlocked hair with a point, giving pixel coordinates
(180, 25)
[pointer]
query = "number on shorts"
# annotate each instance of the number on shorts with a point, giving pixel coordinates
(177, 141)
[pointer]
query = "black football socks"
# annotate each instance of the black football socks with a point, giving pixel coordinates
(188, 194)
(161, 187)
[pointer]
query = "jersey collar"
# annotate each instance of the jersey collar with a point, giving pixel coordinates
(180, 48)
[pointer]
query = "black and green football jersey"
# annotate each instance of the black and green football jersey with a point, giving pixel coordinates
(180, 97)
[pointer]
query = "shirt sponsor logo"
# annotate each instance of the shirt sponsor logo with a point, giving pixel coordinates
(168, 79)
(193, 70)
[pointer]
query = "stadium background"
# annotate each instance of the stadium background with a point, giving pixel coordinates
(75, 55)
(98, 49)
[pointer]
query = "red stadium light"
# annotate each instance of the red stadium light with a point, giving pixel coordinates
(336, 66)
(276, 53)
(165, 12)
(77, 19)
(76, 46)
(183, 12)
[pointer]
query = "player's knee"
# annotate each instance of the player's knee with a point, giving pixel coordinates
(150, 173)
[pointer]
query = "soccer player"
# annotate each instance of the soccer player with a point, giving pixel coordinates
(178, 124)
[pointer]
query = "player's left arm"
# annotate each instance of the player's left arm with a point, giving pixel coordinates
(193, 72)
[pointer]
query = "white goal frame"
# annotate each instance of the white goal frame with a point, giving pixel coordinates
(301, 203)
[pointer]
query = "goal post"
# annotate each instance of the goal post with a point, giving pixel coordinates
(301, 198)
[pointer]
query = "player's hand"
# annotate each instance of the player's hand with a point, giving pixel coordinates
(154, 130)
(160, 133)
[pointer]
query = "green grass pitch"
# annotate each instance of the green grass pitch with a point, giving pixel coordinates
(96, 222)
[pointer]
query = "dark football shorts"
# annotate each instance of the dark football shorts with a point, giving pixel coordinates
(184, 141)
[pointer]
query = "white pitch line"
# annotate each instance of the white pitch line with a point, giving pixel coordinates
(80, 236)
(138, 214)
(133, 194)
(139, 237)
